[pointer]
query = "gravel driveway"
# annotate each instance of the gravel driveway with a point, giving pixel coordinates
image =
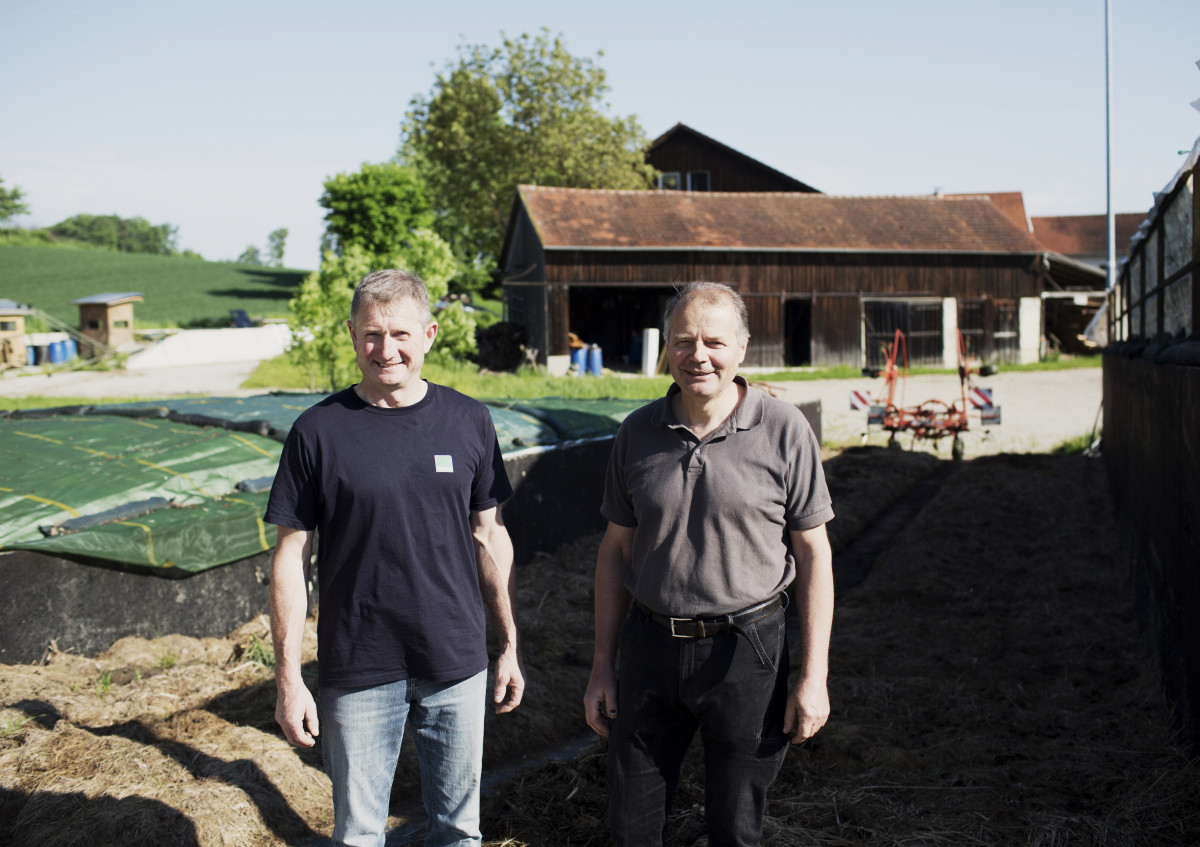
(1039, 410)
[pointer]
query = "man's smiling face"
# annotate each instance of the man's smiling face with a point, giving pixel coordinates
(390, 343)
(703, 348)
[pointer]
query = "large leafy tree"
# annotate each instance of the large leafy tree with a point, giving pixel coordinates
(524, 112)
(377, 209)
(376, 218)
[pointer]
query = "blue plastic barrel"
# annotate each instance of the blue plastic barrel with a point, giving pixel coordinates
(72, 349)
(58, 353)
(30, 355)
(579, 358)
(595, 360)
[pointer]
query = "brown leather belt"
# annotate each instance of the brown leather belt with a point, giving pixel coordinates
(707, 627)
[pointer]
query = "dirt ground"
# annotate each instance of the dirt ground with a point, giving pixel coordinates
(988, 685)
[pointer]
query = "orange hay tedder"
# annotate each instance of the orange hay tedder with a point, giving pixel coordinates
(933, 419)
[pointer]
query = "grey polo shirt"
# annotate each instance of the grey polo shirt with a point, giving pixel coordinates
(711, 517)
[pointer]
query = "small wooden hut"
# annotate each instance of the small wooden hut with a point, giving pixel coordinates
(108, 318)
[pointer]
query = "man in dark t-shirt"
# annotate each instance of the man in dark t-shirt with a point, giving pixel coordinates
(400, 480)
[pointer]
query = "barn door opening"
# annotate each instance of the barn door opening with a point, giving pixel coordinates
(614, 317)
(797, 332)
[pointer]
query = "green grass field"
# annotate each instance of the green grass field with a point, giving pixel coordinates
(178, 292)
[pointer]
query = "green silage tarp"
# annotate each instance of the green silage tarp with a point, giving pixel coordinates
(519, 423)
(61, 468)
(159, 482)
(571, 419)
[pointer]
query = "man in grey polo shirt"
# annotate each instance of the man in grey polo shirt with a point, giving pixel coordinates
(716, 503)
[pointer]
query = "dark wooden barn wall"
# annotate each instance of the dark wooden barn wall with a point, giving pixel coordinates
(727, 172)
(525, 260)
(939, 275)
(837, 329)
(766, 315)
(767, 279)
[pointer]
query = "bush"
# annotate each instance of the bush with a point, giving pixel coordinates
(501, 346)
(456, 335)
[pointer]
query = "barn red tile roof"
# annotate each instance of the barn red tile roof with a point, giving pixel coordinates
(1011, 203)
(1079, 235)
(596, 219)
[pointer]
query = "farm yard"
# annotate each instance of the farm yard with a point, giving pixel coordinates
(988, 686)
(1012, 660)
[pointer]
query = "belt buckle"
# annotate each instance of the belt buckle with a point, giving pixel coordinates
(675, 634)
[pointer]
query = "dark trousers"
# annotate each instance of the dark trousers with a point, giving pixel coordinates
(733, 688)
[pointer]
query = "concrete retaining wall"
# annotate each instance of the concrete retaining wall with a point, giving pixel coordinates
(84, 608)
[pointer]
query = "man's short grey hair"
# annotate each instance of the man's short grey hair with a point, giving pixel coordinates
(388, 286)
(708, 293)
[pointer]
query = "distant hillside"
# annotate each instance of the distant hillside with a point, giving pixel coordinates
(178, 292)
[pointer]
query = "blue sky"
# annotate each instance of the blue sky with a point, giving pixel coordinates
(224, 118)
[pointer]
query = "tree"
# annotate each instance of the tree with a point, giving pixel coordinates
(525, 112)
(11, 203)
(377, 208)
(275, 246)
(127, 235)
(250, 256)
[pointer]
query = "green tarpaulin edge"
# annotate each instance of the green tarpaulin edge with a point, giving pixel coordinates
(172, 541)
(201, 531)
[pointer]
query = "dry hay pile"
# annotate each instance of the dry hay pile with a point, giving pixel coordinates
(169, 741)
(988, 688)
(173, 740)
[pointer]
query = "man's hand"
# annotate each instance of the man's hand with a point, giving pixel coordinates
(296, 713)
(510, 682)
(807, 710)
(600, 701)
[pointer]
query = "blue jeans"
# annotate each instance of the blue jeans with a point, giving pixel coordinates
(733, 688)
(361, 731)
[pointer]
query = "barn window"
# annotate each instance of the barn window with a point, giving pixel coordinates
(697, 181)
(669, 181)
(93, 324)
(120, 324)
(8, 326)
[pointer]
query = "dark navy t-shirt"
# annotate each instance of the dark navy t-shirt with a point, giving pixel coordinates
(389, 493)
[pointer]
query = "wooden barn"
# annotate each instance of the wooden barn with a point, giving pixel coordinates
(827, 279)
(688, 160)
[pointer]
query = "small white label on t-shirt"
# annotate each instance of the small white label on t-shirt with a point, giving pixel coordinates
(443, 464)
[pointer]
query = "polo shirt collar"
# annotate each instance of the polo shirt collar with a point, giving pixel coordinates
(748, 414)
